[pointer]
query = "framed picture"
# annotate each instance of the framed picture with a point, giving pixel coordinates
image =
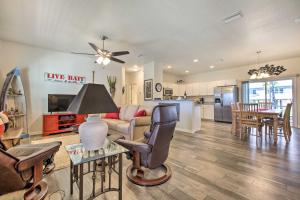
(148, 89)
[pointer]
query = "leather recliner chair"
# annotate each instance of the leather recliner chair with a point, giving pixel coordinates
(22, 167)
(153, 150)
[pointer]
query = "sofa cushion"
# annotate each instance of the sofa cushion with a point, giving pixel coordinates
(130, 111)
(118, 125)
(122, 112)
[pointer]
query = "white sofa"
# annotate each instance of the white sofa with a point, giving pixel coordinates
(131, 127)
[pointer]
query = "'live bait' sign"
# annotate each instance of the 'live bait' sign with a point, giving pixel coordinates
(66, 78)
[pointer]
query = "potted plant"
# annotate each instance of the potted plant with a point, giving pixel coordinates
(112, 80)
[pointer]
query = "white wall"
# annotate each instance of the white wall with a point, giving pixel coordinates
(34, 62)
(292, 65)
(137, 78)
(170, 78)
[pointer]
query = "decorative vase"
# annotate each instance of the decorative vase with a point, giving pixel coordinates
(93, 133)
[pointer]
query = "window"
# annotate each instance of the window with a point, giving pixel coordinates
(253, 91)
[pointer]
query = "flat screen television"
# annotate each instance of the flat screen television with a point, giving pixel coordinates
(59, 102)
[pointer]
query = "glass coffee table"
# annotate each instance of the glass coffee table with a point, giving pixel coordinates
(84, 162)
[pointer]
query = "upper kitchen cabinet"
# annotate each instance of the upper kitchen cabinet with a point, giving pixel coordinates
(210, 87)
(195, 89)
(189, 89)
(181, 89)
(202, 88)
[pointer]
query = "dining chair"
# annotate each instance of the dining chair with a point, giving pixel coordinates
(252, 107)
(235, 117)
(284, 123)
(265, 105)
(248, 120)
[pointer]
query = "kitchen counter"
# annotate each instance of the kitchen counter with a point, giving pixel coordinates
(189, 114)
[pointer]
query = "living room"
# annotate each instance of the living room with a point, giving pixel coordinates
(194, 100)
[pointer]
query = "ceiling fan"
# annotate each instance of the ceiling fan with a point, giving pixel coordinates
(104, 56)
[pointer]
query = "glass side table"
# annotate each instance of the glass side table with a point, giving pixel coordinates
(106, 156)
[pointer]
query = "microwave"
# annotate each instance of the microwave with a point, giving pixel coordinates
(168, 92)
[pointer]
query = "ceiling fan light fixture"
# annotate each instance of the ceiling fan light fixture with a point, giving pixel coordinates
(99, 60)
(106, 61)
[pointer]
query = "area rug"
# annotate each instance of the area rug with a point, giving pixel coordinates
(61, 158)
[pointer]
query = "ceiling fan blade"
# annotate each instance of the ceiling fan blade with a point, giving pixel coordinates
(89, 54)
(95, 48)
(116, 60)
(119, 53)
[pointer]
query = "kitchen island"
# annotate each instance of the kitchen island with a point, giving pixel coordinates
(189, 119)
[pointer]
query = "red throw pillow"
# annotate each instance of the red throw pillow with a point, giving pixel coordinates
(2, 127)
(140, 113)
(111, 116)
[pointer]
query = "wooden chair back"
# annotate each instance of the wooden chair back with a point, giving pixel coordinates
(287, 113)
(251, 107)
(265, 105)
(249, 118)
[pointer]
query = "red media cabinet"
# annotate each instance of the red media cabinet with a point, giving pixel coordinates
(61, 122)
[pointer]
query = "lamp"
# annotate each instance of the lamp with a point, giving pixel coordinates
(100, 60)
(93, 99)
(106, 61)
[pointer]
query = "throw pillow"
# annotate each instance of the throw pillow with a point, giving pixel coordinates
(140, 113)
(2, 127)
(111, 116)
(130, 111)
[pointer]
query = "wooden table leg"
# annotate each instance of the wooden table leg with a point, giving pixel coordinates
(120, 176)
(275, 125)
(81, 182)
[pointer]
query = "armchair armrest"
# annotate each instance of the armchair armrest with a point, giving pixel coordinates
(143, 121)
(147, 134)
(135, 146)
(41, 154)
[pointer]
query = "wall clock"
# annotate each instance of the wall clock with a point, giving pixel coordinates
(158, 87)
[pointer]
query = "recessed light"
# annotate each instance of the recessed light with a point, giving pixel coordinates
(234, 16)
(297, 20)
(169, 67)
(195, 60)
(211, 67)
(187, 71)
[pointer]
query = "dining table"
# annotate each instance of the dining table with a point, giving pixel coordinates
(273, 114)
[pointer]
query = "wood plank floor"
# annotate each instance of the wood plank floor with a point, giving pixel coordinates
(213, 164)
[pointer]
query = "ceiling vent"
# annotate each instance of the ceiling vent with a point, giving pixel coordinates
(233, 17)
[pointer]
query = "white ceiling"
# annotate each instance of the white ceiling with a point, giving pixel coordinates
(170, 32)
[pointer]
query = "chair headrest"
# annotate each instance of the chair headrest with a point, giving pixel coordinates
(164, 113)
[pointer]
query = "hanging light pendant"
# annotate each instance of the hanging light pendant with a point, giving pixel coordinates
(266, 71)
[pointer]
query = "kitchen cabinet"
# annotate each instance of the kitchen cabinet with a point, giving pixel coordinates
(208, 112)
(189, 89)
(202, 87)
(210, 88)
(195, 89)
(181, 89)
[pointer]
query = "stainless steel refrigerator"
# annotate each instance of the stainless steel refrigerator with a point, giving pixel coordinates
(224, 96)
